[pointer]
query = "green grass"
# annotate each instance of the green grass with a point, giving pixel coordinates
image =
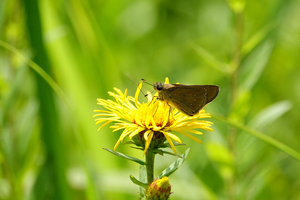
(58, 57)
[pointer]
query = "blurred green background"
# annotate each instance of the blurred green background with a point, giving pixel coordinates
(50, 147)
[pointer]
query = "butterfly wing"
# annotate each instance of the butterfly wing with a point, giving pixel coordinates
(190, 99)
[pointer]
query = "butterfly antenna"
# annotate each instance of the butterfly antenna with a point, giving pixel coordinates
(149, 93)
(146, 82)
(145, 95)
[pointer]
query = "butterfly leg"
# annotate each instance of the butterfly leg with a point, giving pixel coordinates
(170, 112)
(154, 102)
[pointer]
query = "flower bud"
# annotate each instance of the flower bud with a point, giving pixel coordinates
(160, 189)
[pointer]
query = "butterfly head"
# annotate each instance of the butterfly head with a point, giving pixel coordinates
(158, 86)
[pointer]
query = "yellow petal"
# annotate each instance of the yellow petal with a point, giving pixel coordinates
(171, 143)
(174, 137)
(134, 133)
(148, 137)
(190, 136)
(104, 125)
(117, 144)
(167, 80)
(136, 97)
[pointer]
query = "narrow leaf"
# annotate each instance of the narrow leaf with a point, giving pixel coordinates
(210, 59)
(175, 165)
(143, 178)
(126, 156)
(137, 182)
(56, 88)
(162, 152)
(270, 114)
(257, 38)
(129, 142)
(261, 136)
(138, 148)
(175, 144)
(254, 65)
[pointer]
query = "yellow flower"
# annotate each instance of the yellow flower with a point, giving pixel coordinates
(151, 119)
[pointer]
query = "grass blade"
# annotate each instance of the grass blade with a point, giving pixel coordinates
(261, 136)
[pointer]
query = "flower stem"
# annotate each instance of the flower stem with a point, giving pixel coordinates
(150, 166)
(236, 61)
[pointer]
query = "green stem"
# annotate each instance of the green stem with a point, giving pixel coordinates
(236, 63)
(150, 166)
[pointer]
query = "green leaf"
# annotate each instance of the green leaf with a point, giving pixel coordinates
(174, 143)
(126, 156)
(254, 65)
(261, 136)
(270, 114)
(143, 179)
(56, 88)
(257, 38)
(174, 166)
(210, 59)
(263, 120)
(129, 142)
(137, 182)
(162, 152)
(138, 148)
(134, 143)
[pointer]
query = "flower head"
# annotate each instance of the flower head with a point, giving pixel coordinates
(154, 120)
(159, 189)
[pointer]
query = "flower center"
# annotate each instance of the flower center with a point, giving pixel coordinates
(157, 114)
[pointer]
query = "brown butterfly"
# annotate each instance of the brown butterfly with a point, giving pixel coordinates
(189, 99)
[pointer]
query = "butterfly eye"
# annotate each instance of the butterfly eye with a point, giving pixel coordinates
(158, 86)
